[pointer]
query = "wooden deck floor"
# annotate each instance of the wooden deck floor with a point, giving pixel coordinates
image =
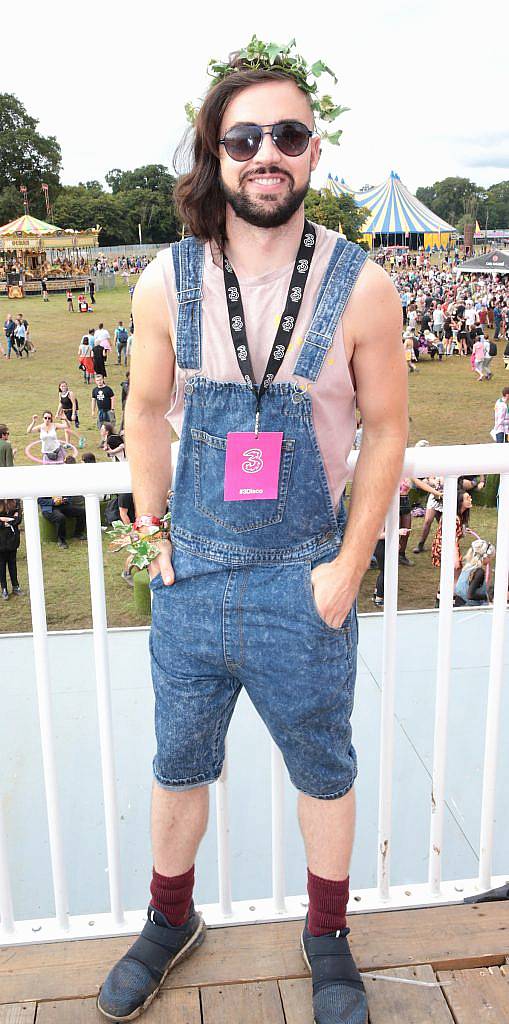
(255, 974)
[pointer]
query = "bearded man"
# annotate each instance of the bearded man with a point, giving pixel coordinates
(256, 587)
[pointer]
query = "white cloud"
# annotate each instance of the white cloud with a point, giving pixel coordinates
(111, 81)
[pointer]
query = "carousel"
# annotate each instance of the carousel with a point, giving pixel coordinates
(32, 250)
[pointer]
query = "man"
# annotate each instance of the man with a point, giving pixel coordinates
(6, 451)
(98, 355)
(57, 510)
(103, 402)
(91, 290)
(501, 427)
(9, 330)
(262, 588)
(102, 338)
(121, 337)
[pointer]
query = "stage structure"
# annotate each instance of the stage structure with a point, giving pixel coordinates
(31, 249)
(395, 217)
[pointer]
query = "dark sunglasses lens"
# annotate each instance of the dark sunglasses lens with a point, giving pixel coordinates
(291, 137)
(242, 141)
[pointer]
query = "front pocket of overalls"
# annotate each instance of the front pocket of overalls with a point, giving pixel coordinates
(209, 455)
(344, 629)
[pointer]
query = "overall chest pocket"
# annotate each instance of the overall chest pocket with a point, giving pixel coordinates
(209, 454)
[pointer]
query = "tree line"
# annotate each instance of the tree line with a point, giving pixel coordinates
(145, 195)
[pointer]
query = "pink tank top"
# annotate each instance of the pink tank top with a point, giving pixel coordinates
(332, 395)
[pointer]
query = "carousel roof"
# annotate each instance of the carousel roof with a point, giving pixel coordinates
(27, 225)
(392, 208)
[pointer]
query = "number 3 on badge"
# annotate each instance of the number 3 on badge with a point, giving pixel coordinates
(254, 460)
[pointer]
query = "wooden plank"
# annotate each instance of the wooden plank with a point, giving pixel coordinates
(180, 1006)
(389, 1001)
(478, 996)
(18, 1013)
(242, 1004)
(448, 938)
(296, 999)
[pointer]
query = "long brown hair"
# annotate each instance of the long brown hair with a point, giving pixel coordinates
(198, 195)
(8, 506)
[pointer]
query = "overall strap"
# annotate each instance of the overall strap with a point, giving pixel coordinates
(188, 263)
(345, 264)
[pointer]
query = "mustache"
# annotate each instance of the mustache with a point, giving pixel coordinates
(271, 169)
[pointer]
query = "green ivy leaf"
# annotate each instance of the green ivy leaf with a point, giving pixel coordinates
(333, 138)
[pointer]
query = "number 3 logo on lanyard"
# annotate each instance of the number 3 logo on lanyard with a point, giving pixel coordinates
(254, 460)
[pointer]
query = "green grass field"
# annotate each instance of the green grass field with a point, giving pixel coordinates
(447, 406)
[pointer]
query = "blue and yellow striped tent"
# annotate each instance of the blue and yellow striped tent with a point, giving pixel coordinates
(395, 216)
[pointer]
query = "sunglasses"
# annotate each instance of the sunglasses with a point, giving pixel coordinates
(244, 141)
(47, 417)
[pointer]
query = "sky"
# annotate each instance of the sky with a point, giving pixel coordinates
(426, 81)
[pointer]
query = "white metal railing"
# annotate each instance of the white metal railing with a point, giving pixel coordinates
(92, 481)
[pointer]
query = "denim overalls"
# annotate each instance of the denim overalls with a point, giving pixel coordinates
(241, 611)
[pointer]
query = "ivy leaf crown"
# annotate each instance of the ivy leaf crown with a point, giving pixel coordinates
(260, 56)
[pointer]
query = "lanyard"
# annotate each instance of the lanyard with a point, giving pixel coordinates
(286, 324)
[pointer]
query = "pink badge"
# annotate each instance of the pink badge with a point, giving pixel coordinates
(252, 466)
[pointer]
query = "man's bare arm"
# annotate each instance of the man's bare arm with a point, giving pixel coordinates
(381, 378)
(147, 432)
(372, 329)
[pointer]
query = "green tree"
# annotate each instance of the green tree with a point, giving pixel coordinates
(78, 207)
(26, 157)
(497, 206)
(447, 198)
(323, 207)
(152, 177)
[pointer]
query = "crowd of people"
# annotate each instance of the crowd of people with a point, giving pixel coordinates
(446, 315)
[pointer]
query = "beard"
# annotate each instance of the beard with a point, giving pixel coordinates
(265, 211)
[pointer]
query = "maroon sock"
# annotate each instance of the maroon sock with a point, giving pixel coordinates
(328, 901)
(172, 896)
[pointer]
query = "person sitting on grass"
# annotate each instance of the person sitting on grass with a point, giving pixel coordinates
(10, 518)
(112, 442)
(57, 510)
(474, 585)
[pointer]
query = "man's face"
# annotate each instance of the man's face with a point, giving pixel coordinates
(267, 189)
(99, 381)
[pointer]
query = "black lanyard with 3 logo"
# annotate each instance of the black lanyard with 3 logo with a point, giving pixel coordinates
(286, 324)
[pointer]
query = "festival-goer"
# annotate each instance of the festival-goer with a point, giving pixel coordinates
(405, 519)
(98, 355)
(254, 253)
(86, 358)
(91, 290)
(51, 448)
(10, 519)
(57, 510)
(6, 450)
(501, 426)
(70, 303)
(112, 443)
(44, 289)
(476, 575)
(463, 506)
(102, 338)
(67, 410)
(121, 338)
(103, 402)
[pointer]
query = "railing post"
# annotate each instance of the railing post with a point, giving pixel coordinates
(102, 672)
(278, 842)
(443, 681)
(388, 690)
(42, 677)
(496, 679)
(6, 911)
(223, 842)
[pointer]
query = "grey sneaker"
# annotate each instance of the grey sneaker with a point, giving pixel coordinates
(338, 990)
(135, 980)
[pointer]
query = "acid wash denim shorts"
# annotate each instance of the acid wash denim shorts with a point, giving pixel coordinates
(216, 630)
